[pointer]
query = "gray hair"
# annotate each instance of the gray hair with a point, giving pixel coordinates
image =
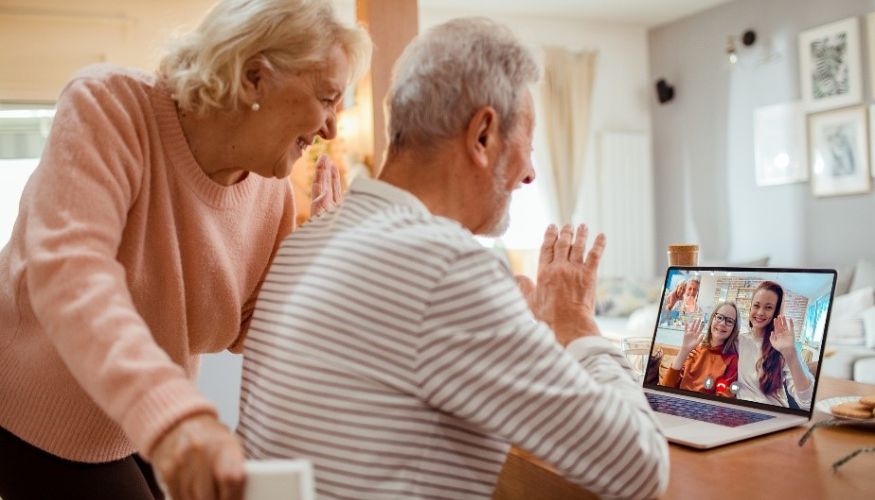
(204, 68)
(449, 72)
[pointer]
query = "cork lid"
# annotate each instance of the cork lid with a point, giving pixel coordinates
(684, 247)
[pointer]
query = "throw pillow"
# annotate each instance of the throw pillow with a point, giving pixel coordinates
(642, 321)
(758, 262)
(869, 326)
(846, 323)
(864, 275)
(843, 280)
(622, 296)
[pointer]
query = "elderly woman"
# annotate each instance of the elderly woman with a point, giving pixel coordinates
(141, 242)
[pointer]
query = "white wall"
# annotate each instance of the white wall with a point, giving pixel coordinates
(45, 41)
(703, 140)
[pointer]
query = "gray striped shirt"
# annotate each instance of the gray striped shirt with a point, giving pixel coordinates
(397, 354)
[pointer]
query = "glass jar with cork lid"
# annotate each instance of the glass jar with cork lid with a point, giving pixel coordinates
(683, 254)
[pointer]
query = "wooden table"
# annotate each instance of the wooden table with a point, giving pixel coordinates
(772, 466)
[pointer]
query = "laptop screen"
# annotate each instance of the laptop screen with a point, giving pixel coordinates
(754, 336)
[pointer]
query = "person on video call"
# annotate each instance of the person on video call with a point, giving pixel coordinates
(769, 365)
(684, 297)
(708, 363)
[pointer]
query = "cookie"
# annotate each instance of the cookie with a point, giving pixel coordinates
(868, 401)
(852, 410)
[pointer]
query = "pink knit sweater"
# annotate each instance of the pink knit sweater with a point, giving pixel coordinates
(125, 263)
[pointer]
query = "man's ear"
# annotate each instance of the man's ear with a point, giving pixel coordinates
(481, 137)
(252, 79)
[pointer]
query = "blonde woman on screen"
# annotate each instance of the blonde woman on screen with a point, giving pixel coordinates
(684, 297)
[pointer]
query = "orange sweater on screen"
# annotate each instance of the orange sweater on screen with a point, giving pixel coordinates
(125, 263)
(699, 365)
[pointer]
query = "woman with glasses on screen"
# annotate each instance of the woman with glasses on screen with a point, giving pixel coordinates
(708, 363)
(770, 366)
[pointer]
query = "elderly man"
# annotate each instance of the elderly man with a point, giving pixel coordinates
(399, 355)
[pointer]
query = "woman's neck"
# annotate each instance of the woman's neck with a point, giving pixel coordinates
(757, 332)
(211, 141)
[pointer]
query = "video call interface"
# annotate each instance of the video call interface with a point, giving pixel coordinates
(748, 335)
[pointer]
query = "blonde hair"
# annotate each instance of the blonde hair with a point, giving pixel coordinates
(204, 68)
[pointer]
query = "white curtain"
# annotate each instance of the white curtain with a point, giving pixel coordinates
(626, 204)
(566, 96)
(563, 186)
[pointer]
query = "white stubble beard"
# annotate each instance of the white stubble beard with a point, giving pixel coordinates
(499, 181)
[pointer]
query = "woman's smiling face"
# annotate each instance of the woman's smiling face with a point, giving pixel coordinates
(722, 324)
(295, 108)
(762, 308)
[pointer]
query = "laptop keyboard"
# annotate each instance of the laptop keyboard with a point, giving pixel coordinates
(729, 417)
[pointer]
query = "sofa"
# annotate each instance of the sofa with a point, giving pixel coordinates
(850, 344)
(626, 312)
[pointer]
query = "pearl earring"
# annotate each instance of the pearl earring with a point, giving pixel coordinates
(256, 106)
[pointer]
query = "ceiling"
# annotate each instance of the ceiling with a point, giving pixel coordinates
(647, 13)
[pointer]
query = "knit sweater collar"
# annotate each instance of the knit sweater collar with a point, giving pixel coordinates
(182, 159)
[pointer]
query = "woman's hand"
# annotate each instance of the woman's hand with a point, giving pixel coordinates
(692, 336)
(200, 459)
(782, 338)
(326, 192)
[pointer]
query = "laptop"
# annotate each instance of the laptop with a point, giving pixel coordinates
(717, 393)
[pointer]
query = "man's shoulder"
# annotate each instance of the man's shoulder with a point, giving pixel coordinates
(405, 224)
(376, 231)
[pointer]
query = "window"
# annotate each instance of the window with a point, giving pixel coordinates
(23, 132)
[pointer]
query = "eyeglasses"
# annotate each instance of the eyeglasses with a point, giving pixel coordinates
(726, 320)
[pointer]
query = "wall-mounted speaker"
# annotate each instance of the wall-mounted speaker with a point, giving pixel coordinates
(664, 91)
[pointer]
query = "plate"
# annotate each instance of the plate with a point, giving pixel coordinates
(825, 405)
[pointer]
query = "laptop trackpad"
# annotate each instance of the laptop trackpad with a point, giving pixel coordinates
(669, 421)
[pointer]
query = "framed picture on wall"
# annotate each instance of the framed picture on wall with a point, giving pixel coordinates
(830, 65)
(872, 137)
(870, 44)
(779, 144)
(839, 153)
